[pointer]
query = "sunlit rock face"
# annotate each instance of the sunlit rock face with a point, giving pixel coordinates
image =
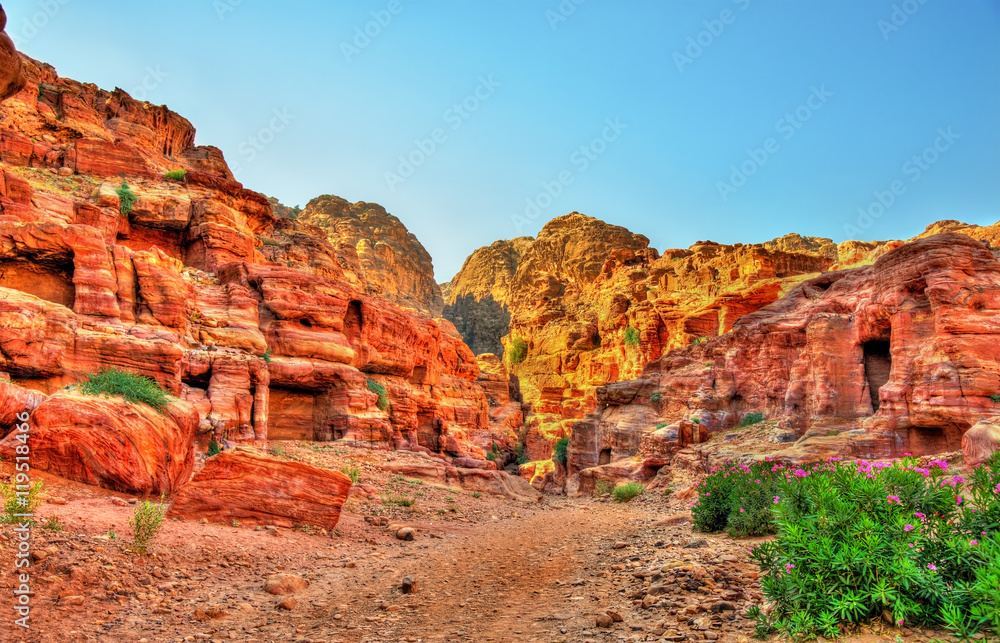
(898, 356)
(268, 327)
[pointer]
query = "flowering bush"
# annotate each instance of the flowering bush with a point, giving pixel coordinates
(859, 540)
(738, 498)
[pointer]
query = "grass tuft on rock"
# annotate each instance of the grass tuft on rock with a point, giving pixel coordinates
(559, 451)
(627, 491)
(133, 387)
(126, 199)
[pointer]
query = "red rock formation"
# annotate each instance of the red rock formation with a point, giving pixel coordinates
(11, 77)
(109, 442)
(240, 484)
(897, 356)
(981, 441)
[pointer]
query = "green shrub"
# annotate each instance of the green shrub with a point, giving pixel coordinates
(518, 351)
(493, 453)
(383, 396)
(146, 521)
(476, 494)
(267, 241)
(750, 419)
(351, 472)
(26, 503)
(857, 541)
(559, 451)
(267, 356)
(660, 425)
(627, 491)
(602, 488)
(696, 420)
(278, 450)
(655, 397)
(213, 447)
(126, 199)
(398, 500)
(995, 397)
(738, 498)
(53, 524)
(631, 336)
(698, 340)
(175, 175)
(133, 387)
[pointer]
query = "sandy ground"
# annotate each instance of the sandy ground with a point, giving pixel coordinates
(486, 569)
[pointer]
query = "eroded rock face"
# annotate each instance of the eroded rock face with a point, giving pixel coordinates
(11, 76)
(111, 443)
(894, 357)
(268, 327)
(240, 484)
(376, 252)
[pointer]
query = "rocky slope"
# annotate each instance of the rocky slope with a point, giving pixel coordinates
(260, 327)
(898, 356)
(376, 252)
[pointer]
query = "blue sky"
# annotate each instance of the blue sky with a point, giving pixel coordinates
(736, 121)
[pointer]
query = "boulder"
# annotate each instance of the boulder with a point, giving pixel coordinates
(981, 441)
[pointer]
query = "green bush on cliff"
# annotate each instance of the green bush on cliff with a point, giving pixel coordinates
(995, 397)
(756, 417)
(383, 395)
(126, 199)
(559, 451)
(518, 351)
(213, 447)
(631, 336)
(175, 175)
(133, 387)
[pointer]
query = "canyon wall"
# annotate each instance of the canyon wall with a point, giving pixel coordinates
(898, 356)
(322, 328)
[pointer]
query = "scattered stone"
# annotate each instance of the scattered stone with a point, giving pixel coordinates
(119, 502)
(406, 533)
(696, 543)
(604, 620)
(56, 500)
(409, 585)
(282, 584)
(289, 603)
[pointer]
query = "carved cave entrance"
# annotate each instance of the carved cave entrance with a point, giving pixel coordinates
(604, 457)
(878, 365)
(49, 282)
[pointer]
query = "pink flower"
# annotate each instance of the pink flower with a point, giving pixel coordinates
(941, 464)
(776, 499)
(908, 528)
(998, 487)
(932, 567)
(920, 515)
(899, 622)
(741, 510)
(958, 500)
(799, 473)
(789, 567)
(973, 542)
(892, 499)
(911, 544)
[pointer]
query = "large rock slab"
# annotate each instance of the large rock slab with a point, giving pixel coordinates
(245, 485)
(111, 443)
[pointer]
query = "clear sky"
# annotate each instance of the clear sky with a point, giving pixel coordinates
(820, 107)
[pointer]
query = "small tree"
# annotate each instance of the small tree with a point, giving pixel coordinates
(631, 336)
(559, 451)
(518, 351)
(126, 198)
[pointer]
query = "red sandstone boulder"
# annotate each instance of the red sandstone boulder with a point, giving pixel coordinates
(111, 443)
(245, 485)
(11, 76)
(981, 441)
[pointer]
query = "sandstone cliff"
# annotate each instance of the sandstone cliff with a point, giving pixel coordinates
(258, 325)
(898, 356)
(376, 252)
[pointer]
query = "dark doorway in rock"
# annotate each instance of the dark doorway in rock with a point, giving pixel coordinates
(604, 457)
(353, 322)
(878, 364)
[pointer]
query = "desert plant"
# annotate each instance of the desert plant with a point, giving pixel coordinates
(559, 451)
(627, 491)
(518, 351)
(755, 417)
(175, 175)
(133, 387)
(631, 336)
(383, 396)
(737, 498)
(351, 472)
(603, 488)
(126, 199)
(660, 425)
(859, 540)
(995, 397)
(267, 356)
(398, 500)
(655, 397)
(698, 340)
(476, 494)
(267, 241)
(20, 501)
(146, 521)
(213, 447)
(696, 420)
(278, 450)
(53, 524)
